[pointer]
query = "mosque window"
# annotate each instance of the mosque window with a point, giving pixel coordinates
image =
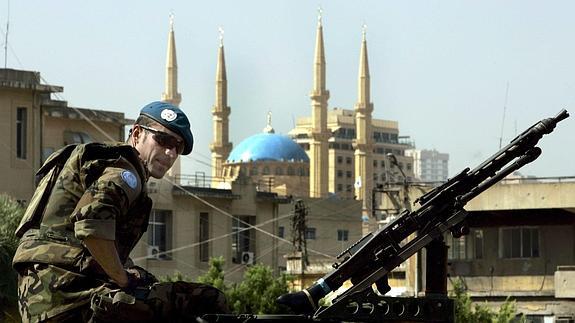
(279, 171)
(254, 171)
(290, 171)
(266, 170)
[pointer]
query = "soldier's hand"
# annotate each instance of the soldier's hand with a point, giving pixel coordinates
(143, 275)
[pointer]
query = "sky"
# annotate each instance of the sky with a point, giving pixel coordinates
(439, 68)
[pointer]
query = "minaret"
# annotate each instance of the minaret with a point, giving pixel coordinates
(221, 146)
(319, 133)
(171, 94)
(363, 143)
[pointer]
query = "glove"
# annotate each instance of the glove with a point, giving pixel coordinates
(146, 279)
(133, 282)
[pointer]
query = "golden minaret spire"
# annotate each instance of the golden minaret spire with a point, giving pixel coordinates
(220, 146)
(319, 133)
(363, 143)
(171, 94)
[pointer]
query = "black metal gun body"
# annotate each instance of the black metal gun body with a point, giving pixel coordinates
(441, 209)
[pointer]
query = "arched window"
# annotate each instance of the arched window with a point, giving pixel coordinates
(279, 171)
(266, 170)
(290, 171)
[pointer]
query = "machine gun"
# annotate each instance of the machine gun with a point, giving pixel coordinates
(370, 259)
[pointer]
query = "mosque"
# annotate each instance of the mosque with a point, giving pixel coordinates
(334, 153)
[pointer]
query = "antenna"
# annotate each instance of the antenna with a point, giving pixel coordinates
(6, 37)
(503, 121)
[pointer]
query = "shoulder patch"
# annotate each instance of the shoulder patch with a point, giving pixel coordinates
(130, 179)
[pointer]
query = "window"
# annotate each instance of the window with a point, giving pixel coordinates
(301, 171)
(467, 247)
(339, 187)
(339, 159)
(348, 160)
(339, 173)
(266, 170)
(279, 171)
(204, 236)
(348, 174)
(243, 239)
(160, 233)
(342, 235)
(21, 131)
(281, 231)
(254, 170)
(310, 233)
(290, 171)
(519, 243)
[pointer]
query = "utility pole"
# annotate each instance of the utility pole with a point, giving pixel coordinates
(298, 226)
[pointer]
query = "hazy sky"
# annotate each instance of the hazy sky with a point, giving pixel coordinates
(440, 68)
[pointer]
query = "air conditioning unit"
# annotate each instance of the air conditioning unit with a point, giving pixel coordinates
(247, 258)
(153, 252)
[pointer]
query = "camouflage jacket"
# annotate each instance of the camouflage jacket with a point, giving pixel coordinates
(100, 192)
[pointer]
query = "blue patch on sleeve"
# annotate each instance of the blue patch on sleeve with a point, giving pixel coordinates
(130, 179)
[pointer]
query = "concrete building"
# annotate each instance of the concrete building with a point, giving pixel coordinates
(429, 165)
(34, 125)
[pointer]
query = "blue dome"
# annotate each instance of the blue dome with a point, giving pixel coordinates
(267, 146)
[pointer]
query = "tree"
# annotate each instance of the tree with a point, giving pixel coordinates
(10, 212)
(258, 291)
(467, 312)
(215, 275)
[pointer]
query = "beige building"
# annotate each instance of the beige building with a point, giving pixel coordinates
(34, 125)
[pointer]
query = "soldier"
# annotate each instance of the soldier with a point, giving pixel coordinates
(88, 212)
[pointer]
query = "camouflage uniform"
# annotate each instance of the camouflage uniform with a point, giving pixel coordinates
(100, 192)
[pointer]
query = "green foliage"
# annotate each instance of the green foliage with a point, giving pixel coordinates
(467, 312)
(258, 291)
(177, 276)
(10, 214)
(215, 275)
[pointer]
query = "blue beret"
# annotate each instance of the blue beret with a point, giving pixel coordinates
(173, 118)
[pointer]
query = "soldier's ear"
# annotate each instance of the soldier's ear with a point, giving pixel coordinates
(135, 133)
